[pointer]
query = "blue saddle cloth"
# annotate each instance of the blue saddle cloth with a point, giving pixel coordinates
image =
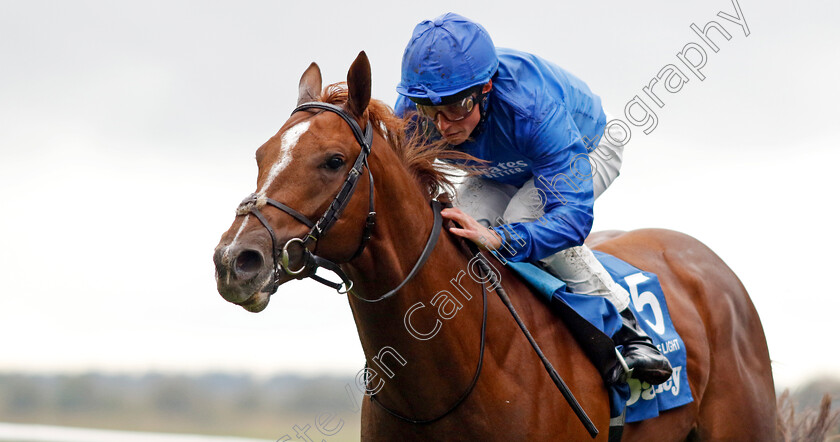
(642, 400)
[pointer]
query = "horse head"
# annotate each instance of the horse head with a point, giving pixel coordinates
(302, 169)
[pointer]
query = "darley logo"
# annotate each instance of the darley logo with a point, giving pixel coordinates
(646, 392)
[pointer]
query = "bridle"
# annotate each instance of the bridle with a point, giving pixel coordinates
(311, 262)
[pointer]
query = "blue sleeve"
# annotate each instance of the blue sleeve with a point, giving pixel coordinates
(562, 174)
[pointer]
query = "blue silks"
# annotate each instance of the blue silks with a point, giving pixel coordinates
(643, 401)
(541, 121)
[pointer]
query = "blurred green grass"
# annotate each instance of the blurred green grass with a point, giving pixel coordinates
(213, 404)
(222, 404)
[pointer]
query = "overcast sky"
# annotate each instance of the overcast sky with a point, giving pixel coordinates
(128, 131)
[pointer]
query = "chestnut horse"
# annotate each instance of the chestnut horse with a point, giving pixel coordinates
(421, 373)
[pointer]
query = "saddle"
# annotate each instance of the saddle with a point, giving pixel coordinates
(592, 319)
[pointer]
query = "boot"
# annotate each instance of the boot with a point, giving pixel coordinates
(643, 358)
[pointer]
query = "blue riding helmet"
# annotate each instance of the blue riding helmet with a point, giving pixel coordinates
(445, 56)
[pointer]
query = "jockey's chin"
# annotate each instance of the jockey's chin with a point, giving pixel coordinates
(455, 138)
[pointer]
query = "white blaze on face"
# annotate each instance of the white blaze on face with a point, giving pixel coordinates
(226, 253)
(238, 232)
(287, 143)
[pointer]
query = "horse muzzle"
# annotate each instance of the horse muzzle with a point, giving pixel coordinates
(243, 270)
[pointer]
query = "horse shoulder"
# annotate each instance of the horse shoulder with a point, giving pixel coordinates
(548, 411)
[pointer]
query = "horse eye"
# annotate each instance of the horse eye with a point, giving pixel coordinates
(334, 163)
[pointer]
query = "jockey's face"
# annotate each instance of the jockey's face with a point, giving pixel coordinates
(456, 132)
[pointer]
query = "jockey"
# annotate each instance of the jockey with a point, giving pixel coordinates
(539, 128)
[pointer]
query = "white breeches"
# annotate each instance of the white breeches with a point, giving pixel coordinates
(493, 204)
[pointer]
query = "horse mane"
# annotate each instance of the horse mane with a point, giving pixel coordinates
(416, 150)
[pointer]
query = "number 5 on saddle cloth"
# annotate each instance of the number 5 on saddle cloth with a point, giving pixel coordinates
(582, 312)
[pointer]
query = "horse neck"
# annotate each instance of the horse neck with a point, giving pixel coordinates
(404, 221)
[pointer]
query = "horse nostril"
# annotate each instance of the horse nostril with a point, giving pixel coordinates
(248, 264)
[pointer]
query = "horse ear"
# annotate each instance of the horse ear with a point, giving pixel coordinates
(310, 84)
(358, 85)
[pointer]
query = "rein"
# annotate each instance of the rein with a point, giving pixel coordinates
(311, 262)
(469, 388)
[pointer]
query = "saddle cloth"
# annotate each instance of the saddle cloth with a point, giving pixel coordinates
(642, 400)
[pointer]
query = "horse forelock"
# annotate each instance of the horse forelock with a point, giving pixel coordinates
(415, 150)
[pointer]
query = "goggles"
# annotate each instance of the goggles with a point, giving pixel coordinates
(456, 111)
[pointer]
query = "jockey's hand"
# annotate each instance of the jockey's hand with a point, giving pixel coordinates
(471, 229)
